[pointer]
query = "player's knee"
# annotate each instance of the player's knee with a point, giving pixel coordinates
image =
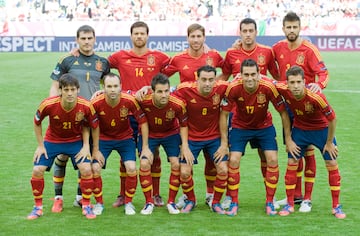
(38, 171)
(130, 167)
(330, 163)
(185, 174)
(96, 168)
(272, 161)
(222, 169)
(175, 165)
(85, 169)
(234, 162)
(145, 164)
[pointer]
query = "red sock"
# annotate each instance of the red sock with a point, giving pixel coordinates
(219, 187)
(98, 194)
(37, 185)
(146, 184)
(155, 174)
(272, 178)
(334, 182)
(290, 182)
(87, 187)
(122, 178)
(299, 172)
(174, 184)
(209, 172)
(309, 172)
(130, 187)
(188, 188)
(233, 184)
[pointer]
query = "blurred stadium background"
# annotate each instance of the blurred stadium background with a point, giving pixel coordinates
(220, 17)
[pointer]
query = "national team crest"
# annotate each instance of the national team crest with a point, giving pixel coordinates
(209, 61)
(98, 65)
(79, 116)
(124, 112)
(261, 60)
(300, 59)
(261, 98)
(216, 99)
(151, 60)
(170, 114)
(309, 107)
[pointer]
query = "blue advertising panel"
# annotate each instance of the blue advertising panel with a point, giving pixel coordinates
(165, 43)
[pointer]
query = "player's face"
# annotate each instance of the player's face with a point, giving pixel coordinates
(161, 95)
(250, 77)
(139, 37)
(69, 94)
(196, 40)
(86, 42)
(291, 30)
(296, 85)
(112, 88)
(206, 81)
(248, 34)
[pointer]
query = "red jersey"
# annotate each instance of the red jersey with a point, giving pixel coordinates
(114, 121)
(263, 55)
(187, 65)
(203, 111)
(252, 108)
(307, 56)
(165, 121)
(65, 126)
(137, 71)
(312, 112)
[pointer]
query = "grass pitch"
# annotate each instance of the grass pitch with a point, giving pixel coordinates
(24, 82)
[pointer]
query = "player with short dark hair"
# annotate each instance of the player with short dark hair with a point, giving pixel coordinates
(167, 118)
(247, 48)
(294, 50)
(314, 124)
(114, 132)
(68, 133)
(249, 96)
(186, 64)
(137, 67)
(88, 68)
(203, 98)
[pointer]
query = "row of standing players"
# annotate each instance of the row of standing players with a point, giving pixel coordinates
(204, 95)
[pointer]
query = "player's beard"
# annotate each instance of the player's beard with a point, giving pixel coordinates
(162, 102)
(292, 37)
(140, 43)
(197, 47)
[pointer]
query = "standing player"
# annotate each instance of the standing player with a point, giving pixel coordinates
(113, 109)
(68, 133)
(186, 64)
(167, 117)
(297, 51)
(314, 124)
(248, 48)
(137, 67)
(249, 96)
(203, 98)
(88, 68)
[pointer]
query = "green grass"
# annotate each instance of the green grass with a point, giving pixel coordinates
(24, 82)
